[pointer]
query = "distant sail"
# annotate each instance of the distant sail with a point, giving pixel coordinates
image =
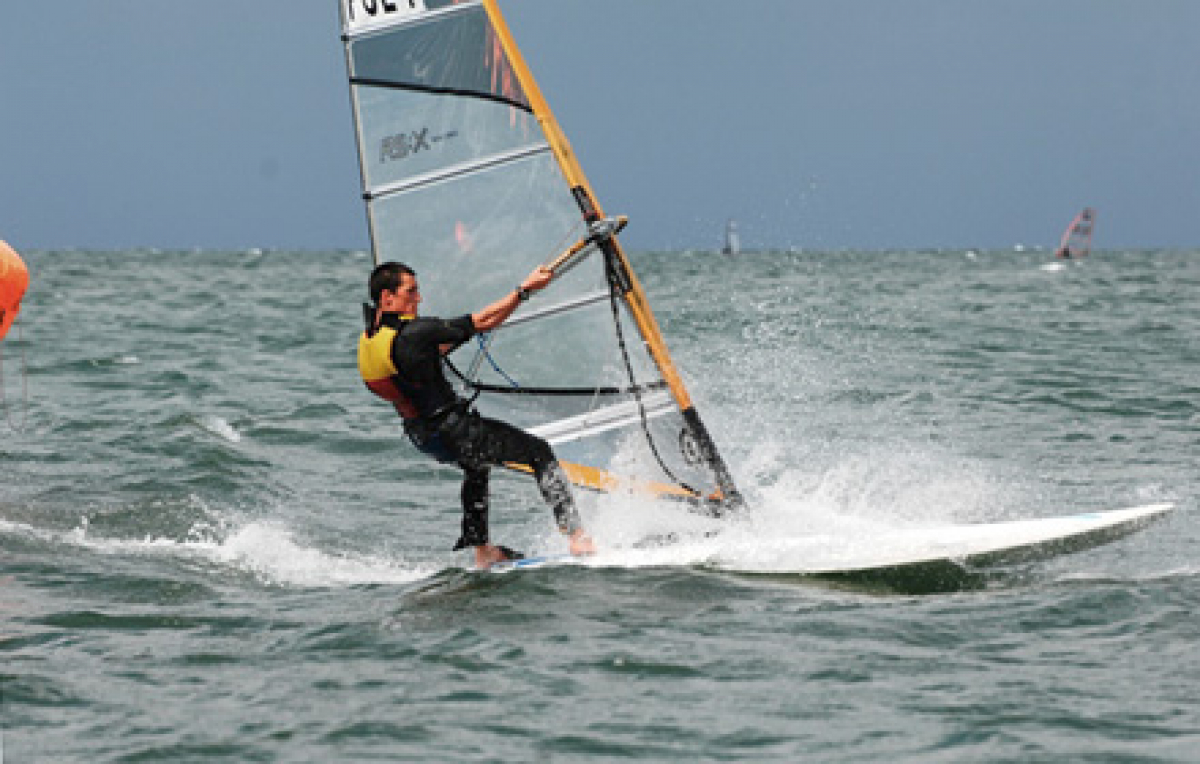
(733, 244)
(469, 180)
(1076, 241)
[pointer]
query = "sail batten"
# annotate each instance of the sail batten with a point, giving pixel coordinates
(553, 310)
(387, 84)
(469, 180)
(605, 419)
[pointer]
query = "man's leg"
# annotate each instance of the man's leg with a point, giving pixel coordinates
(475, 519)
(556, 491)
(474, 506)
(496, 442)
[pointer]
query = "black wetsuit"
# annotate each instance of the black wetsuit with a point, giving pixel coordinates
(450, 430)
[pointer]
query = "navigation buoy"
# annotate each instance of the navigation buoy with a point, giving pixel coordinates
(14, 280)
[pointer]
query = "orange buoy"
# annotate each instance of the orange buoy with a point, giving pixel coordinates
(14, 280)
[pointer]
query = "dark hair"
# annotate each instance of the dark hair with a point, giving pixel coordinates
(386, 276)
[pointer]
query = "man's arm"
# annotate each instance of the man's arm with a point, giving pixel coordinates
(496, 313)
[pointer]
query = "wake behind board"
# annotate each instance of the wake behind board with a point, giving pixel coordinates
(920, 559)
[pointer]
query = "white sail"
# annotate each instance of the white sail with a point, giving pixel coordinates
(469, 181)
(733, 243)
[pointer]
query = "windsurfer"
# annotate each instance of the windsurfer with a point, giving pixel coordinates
(399, 357)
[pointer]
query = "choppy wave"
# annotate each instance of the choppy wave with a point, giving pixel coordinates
(209, 526)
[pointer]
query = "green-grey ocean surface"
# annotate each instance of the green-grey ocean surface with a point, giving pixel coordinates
(216, 546)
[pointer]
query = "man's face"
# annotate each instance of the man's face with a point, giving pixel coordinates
(405, 299)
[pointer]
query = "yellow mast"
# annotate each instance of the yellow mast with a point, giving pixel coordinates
(635, 297)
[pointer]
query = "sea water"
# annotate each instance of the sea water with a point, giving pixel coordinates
(215, 545)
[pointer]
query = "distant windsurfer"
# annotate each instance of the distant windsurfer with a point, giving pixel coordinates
(1076, 241)
(400, 359)
(14, 280)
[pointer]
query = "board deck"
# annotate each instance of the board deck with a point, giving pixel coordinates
(536, 561)
(896, 552)
(1003, 543)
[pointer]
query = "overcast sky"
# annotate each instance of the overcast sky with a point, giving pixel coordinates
(814, 123)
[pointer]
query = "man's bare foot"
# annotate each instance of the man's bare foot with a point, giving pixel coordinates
(581, 543)
(487, 555)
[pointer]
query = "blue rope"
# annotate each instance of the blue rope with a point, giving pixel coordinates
(483, 349)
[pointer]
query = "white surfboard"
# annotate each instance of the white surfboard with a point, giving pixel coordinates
(897, 555)
(1002, 543)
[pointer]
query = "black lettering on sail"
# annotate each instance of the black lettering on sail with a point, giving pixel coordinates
(376, 7)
